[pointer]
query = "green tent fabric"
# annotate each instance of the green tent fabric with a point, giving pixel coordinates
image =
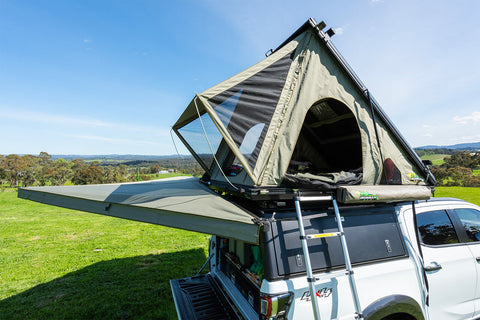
(182, 203)
(301, 103)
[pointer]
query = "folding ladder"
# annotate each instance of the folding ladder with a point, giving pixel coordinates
(310, 278)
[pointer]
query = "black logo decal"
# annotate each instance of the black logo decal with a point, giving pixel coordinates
(322, 293)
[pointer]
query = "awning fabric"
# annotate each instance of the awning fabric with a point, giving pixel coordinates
(363, 193)
(182, 203)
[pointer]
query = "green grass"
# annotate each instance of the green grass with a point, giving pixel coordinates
(437, 159)
(64, 264)
(476, 172)
(154, 176)
(468, 194)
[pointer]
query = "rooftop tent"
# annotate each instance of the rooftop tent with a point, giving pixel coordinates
(299, 117)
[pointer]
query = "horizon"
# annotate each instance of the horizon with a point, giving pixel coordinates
(190, 155)
(112, 77)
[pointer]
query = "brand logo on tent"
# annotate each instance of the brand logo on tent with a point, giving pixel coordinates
(413, 177)
(365, 195)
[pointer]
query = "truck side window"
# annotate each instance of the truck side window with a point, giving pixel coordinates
(436, 228)
(470, 219)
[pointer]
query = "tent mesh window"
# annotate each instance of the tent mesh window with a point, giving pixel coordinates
(203, 137)
(329, 141)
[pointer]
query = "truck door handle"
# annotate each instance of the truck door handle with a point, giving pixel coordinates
(432, 266)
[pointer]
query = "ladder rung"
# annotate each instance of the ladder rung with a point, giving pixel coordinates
(322, 235)
(317, 198)
(330, 275)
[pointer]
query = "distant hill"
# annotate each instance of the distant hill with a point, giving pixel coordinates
(473, 146)
(112, 157)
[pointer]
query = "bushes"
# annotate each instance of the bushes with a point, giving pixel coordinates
(458, 170)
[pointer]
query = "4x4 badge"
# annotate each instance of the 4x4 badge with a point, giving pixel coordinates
(322, 293)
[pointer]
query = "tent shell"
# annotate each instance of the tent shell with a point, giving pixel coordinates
(316, 73)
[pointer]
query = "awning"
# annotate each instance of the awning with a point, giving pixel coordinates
(182, 203)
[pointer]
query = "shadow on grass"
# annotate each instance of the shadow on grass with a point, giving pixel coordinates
(129, 288)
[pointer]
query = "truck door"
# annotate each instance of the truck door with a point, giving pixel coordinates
(469, 224)
(449, 267)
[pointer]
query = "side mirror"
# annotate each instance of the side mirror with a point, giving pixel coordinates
(427, 162)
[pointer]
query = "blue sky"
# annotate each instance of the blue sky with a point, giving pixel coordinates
(111, 77)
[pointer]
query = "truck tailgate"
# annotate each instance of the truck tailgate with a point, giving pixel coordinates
(201, 297)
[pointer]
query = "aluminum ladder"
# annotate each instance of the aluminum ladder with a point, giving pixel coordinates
(310, 278)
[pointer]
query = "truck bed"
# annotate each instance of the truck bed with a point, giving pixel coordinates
(200, 297)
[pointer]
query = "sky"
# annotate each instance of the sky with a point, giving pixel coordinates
(112, 76)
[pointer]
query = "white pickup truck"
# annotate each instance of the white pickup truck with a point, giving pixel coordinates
(411, 260)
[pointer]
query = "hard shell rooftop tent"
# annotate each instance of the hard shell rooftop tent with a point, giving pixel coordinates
(300, 117)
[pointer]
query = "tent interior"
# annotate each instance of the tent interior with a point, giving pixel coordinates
(329, 140)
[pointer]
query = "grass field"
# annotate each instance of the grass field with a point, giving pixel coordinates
(64, 264)
(437, 159)
(468, 194)
(154, 176)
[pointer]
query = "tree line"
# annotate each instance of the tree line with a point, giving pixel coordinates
(422, 152)
(42, 170)
(459, 170)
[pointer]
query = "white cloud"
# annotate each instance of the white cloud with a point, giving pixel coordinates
(76, 121)
(428, 135)
(474, 118)
(87, 40)
(427, 126)
(111, 140)
(32, 116)
(376, 1)
(469, 138)
(339, 30)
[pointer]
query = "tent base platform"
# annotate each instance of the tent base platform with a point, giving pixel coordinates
(278, 197)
